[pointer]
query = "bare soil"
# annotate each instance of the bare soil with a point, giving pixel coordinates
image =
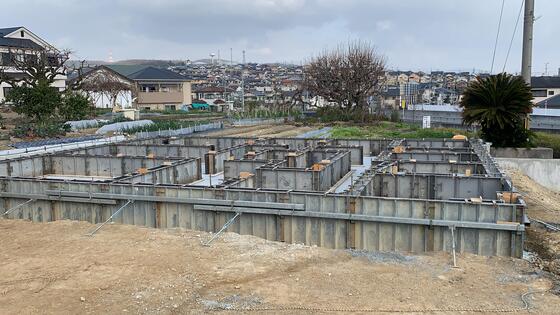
(542, 204)
(286, 130)
(52, 268)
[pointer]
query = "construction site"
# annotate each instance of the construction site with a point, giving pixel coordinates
(359, 225)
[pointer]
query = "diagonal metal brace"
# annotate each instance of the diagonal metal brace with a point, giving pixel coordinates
(17, 207)
(228, 223)
(110, 218)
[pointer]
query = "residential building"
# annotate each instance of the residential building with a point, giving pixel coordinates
(156, 88)
(391, 97)
(105, 87)
(21, 41)
(544, 88)
(550, 103)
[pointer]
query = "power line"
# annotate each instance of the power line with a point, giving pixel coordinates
(497, 36)
(513, 35)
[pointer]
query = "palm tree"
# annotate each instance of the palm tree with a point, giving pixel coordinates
(499, 104)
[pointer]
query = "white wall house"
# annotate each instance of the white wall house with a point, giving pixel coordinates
(106, 88)
(544, 88)
(21, 39)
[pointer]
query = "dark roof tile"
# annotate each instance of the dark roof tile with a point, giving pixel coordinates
(545, 82)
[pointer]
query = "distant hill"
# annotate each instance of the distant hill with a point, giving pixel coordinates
(133, 62)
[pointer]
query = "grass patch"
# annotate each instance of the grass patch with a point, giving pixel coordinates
(548, 140)
(385, 129)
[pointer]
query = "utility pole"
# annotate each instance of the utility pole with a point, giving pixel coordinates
(526, 60)
(527, 56)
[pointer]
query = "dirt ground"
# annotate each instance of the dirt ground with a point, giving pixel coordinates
(53, 268)
(543, 204)
(287, 130)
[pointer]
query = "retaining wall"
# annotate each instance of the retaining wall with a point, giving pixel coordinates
(544, 171)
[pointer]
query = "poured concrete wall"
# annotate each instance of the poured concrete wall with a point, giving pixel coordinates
(544, 171)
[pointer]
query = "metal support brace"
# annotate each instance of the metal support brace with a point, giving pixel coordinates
(17, 207)
(228, 223)
(110, 218)
(452, 228)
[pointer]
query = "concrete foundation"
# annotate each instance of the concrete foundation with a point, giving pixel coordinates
(403, 195)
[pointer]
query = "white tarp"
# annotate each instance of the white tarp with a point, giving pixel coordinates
(83, 124)
(120, 126)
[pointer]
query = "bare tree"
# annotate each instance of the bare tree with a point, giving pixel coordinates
(103, 82)
(348, 75)
(29, 66)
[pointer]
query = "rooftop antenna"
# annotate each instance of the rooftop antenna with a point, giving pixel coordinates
(231, 56)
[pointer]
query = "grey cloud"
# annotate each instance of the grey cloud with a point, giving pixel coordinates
(437, 34)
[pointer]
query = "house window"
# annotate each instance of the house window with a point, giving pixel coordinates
(21, 34)
(539, 93)
(7, 90)
(550, 93)
(170, 107)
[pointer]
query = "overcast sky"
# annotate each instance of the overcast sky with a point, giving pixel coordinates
(412, 34)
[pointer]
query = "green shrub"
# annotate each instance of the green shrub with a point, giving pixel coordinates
(548, 140)
(45, 130)
(395, 116)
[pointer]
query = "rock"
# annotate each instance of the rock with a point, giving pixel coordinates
(237, 287)
(83, 299)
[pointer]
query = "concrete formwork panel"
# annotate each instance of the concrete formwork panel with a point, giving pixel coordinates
(443, 167)
(370, 223)
(429, 186)
(437, 156)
